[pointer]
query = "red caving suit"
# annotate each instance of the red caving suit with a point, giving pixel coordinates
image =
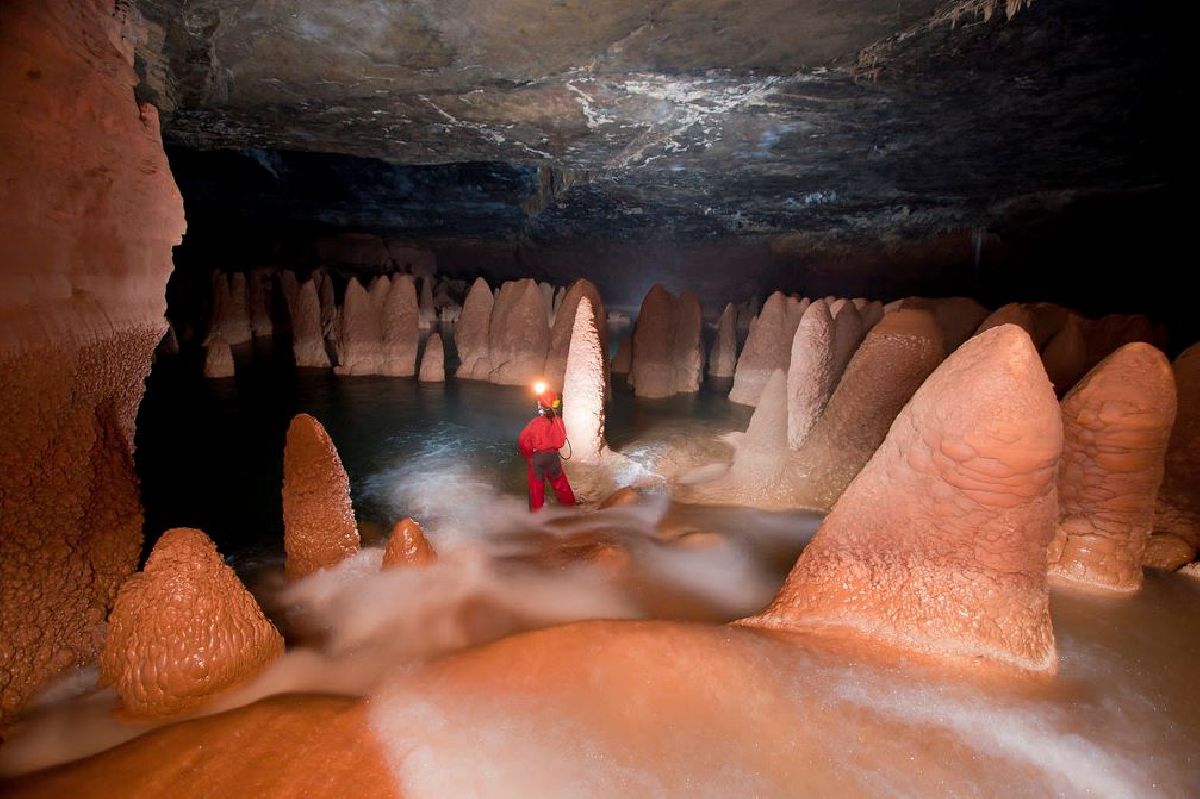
(539, 443)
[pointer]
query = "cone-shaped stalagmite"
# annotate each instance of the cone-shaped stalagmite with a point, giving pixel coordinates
(471, 332)
(893, 360)
(724, 353)
(518, 335)
(1178, 510)
(218, 358)
(688, 353)
(583, 387)
(810, 377)
(433, 361)
(308, 342)
(652, 369)
(361, 334)
(564, 323)
(1116, 423)
(318, 520)
(761, 451)
(183, 629)
(768, 347)
(847, 335)
(401, 331)
(939, 545)
(408, 546)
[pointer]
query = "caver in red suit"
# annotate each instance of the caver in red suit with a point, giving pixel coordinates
(539, 443)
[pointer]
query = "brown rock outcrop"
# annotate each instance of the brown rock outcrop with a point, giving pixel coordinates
(308, 342)
(583, 387)
(408, 546)
(1116, 424)
(433, 360)
(218, 358)
(518, 334)
(768, 347)
(471, 332)
(939, 544)
(564, 323)
(90, 216)
(891, 363)
(1178, 509)
(810, 376)
(401, 328)
(183, 629)
(318, 520)
(723, 359)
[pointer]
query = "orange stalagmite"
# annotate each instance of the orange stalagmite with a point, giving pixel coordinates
(183, 629)
(408, 546)
(939, 544)
(318, 519)
(1116, 424)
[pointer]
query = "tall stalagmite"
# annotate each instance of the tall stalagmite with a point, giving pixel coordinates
(724, 353)
(183, 629)
(433, 360)
(767, 348)
(90, 214)
(471, 332)
(688, 350)
(1177, 514)
(939, 544)
(401, 328)
(810, 377)
(308, 343)
(218, 358)
(652, 368)
(1116, 424)
(583, 387)
(518, 335)
(762, 450)
(318, 520)
(361, 332)
(230, 318)
(847, 335)
(564, 323)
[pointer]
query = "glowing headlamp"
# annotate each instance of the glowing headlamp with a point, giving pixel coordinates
(538, 388)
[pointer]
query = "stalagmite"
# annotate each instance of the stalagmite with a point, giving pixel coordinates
(1116, 424)
(408, 546)
(761, 452)
(564, 323)
(361, 334)
(652, 369)
(433, 360)
(318, 520)
(688, 354)
(957, 317)
(1065, 356)
(1178, 510)
(218, 358)
(1014, 313)
(308, 343)
(401, 328)
(871, 314)
(724, 354)
(183, 629)
(891, 363)
(810, 376)
(939, 544)
(230, 316)
(260, 303)
(471, 332)
(428, 314)
(548, 297)
(583, 387)
(847, 335)
(768, 347)
(518, 334)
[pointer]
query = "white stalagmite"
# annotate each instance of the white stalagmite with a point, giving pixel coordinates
(401, 333)
(560, 333)
(583, 388)
(724, 353)
(433, 361)
(308, 343)
(471, 332)
(810, 377)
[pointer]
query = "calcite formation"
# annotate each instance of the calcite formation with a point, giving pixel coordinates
(90, 216)
(361, 333)
(688, 354)
(891, 363)
(761, 451)
(471, 332)
(723, 360)
(401, 328)
(433, 361)
(1065, 356)
(652, 368)
(518, 334)
(230, 318)
(308, 342)
(939, 544)
(218, 358)
(583, 387)
(408, 546)
(810, 375)
(1015, 313)
(847, 335)
(319, 530)
(564, 324)
(1166, 552)
(1178, 509)
(183, 629)
(427, 313)
(768, 347)
(1116, 424)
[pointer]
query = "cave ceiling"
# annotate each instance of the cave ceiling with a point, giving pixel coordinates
(681, 119)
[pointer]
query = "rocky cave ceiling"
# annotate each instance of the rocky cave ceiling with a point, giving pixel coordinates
(679, 119)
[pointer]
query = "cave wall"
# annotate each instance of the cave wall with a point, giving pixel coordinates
(89, 213)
